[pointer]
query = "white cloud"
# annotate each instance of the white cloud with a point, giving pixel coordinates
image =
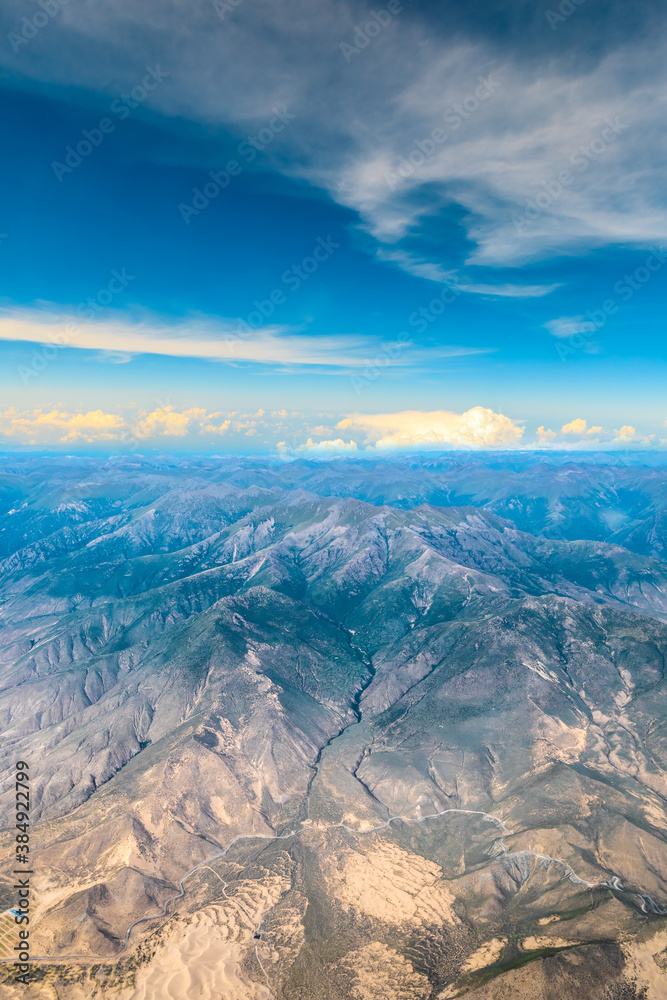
(460, 282)
(169, 422)
(577, 436)
(577, 426)
(330, 447)
(478, 427)
(216, 428)
(355, 121)
(209, 339)
(628, 437)
(512, 151)
(39, 426)
(545, 435)
(57, 426)
(568, 326)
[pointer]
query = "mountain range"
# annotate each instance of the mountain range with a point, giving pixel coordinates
(316, 730)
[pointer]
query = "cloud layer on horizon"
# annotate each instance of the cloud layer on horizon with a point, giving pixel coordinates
(198, 428)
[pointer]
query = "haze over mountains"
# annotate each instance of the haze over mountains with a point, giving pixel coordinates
(427, 695)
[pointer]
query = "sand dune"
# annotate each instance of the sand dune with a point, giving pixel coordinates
(202, 957)
(200, 961)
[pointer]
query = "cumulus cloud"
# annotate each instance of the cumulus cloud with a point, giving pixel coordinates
(43, 427)
(545, 435)
(577, 426)
(39, 426)
(478, 427)
(578, 436)
(216, 428)
(165, 421)
(331, 447)
(628, 437)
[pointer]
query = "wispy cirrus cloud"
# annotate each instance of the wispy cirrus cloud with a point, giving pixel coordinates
(432, 271)
(209, 339)
(356, 120)
(569, 326)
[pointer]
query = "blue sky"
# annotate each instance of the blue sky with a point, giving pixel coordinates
(314, 228)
